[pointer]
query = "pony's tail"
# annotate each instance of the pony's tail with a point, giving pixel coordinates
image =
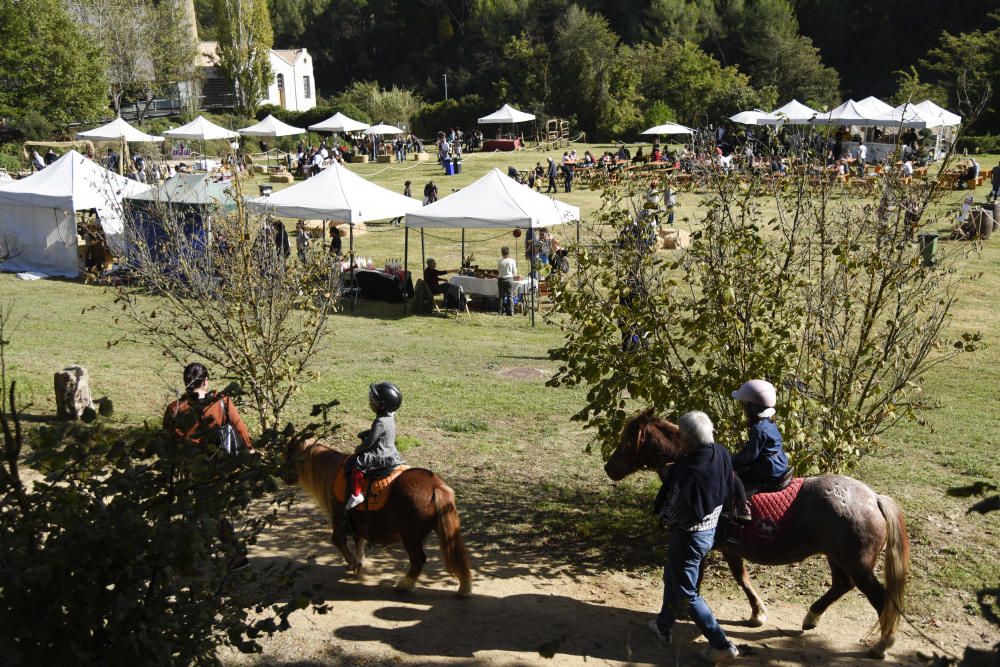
(897, 566)
(456, 558)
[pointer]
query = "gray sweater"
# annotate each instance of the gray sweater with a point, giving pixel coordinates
(378, 445)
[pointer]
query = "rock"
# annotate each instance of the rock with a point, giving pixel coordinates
(72, 386)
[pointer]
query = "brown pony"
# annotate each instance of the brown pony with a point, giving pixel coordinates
(419, 502)
(832, 515)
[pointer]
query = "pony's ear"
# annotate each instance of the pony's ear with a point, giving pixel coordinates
(646, 414)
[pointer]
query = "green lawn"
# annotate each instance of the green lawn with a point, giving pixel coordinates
(490, 434)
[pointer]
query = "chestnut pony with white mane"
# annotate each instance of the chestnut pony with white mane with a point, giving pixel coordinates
(833, 515)
(419, 502)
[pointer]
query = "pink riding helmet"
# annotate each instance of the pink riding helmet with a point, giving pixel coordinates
(760, 392)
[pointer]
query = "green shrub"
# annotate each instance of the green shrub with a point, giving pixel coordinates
(978, 144)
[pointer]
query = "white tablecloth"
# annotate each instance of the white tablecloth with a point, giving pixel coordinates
(485, 286)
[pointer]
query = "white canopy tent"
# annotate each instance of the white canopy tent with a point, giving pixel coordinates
(493, 201)
(271, 127)
(38, 213)
(940, 116)
(755, 117)
(338, 122)
(201, 128)
(794, 113)
(669, 128)
(382, 129)
(117, 130)
(506, 115)
(337, 193)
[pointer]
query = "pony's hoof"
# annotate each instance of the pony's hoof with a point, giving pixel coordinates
(356, 569)
(464, 590)
(757, 621)
(810, 621)
(405, 585)
(876, 652)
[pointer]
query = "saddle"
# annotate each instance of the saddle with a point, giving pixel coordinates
(376, 490)
(770, 512)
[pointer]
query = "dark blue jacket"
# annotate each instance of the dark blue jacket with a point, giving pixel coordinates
(763, 453)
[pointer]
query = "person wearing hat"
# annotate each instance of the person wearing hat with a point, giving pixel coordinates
(762, 460)
(377, 450)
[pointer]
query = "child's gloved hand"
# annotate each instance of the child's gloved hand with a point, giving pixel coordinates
(363, 434)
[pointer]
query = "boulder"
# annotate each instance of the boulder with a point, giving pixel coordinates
(72, 386)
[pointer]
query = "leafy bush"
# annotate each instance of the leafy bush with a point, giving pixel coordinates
(826, 299)
(10, 162)
(439, 116)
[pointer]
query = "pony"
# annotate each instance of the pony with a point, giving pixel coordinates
(419, 502)
(836, 516)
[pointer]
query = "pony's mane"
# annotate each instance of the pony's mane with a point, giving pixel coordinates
(661, 433)
(317, 470)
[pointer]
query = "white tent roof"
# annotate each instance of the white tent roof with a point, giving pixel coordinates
(338, 122)
(506, 114)
(201, 128)
(71, 183)
(930, 110)
(337, 193)
(117, 130)
(270, 127)
(494, 201)
(874, 105)
(794, 113)
(755, 117)
(669, 128)
(870, 111)
(382, 129)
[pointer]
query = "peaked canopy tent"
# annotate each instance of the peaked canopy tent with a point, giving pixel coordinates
(383, 129)
(119, 130)
(270, 127)
(493, 201)
(190, 199)
(337, 193)
(203, 129)
(939, 120)
(338, 122)
(755, 117)
(38, 213)
(505, 115)
(793, 113)
(669, 128)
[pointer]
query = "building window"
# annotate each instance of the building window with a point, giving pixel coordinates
(305, 85)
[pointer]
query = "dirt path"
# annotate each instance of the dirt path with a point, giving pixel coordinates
(528, 603)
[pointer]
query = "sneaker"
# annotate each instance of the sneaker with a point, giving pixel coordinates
(717, 656)
(354, 501)
(241, 564)
(662, 638)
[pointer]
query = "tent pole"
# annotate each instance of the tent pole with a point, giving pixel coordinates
(531, 281)
(462, 258)
(350, 231)
(579, 274)
(423, 255)
(406, 260)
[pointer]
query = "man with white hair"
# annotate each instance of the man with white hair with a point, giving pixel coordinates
(690, 502)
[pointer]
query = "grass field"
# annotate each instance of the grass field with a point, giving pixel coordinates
(476, 408)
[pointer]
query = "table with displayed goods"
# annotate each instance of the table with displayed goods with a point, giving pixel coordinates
(390, 283)
(484, 284)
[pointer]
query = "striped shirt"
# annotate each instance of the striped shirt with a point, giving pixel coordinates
(676, 513)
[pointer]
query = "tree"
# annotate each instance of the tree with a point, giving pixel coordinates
(526, 75)
(139, 69)
(827, 299)
(231, 301)
(47, 66)
(912, 89)
(394, 105)
(967, 67)
(594, 78)
(696, 86)
(243, 31)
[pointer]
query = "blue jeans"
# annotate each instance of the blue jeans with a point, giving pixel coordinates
(685, 551)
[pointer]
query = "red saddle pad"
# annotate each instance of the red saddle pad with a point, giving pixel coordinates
(769, 510)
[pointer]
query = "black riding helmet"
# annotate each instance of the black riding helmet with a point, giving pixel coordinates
(387, 395)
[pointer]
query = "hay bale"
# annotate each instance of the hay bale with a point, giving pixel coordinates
(671, 239)
(386, 159)
(421, 157)
(281, 178)
(359, 159)
(359, 229)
